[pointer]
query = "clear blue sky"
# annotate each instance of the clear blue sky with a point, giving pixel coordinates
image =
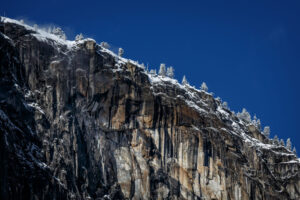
(248, 52)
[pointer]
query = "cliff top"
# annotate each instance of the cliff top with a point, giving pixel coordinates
(201, 101)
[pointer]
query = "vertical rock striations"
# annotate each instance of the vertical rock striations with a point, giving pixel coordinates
(78, 122)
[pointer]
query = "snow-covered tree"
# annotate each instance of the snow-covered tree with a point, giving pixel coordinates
(282, 142)
(204, 87)
(254, 117)
(294, 151)
(256, 122)
(59, 32)
(143, 66)
(105, 45)
(170, 72)
(245, 115)
(267, 131)
(184, 81)
(289, 144)
(276, 140)
(162, 69)
(225, 105)
(22, 21)
(121, 52)
(79, 37)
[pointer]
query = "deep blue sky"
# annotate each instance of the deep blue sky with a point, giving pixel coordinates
(247, 52)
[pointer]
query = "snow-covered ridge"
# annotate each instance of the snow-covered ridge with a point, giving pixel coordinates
(46, 36)
(156, 80)
(240, 122)
(191, 97)
(41, 34)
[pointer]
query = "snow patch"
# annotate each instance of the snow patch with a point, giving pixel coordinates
(37, 107)
(42, 35)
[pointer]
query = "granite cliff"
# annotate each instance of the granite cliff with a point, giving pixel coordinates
(79, 122)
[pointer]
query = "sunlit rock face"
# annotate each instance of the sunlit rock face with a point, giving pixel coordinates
(78, 122)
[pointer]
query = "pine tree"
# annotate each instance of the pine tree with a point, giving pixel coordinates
(294, 151)
(121, 52)
(59, 33)
(282, 142)
(245, 115)
(276, 140)
(170, 72)
(162, 69)
(289, 144)
(258, 124)
(225, 105)
(184, 81)
(105, 45)
(79, 37)
(143, 66)
(267, 131)
(204, 87)
(254, 118)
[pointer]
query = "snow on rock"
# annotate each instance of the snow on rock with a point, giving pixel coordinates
(193, 99)
(192, 96)
(201, 123)
(42, 35)
(7, 38)
(37, 107)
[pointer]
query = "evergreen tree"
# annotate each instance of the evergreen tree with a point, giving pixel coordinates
(79, 37)
(294, 151)
(282, 142)
(289, 144)
(105, 45)
(184, 81)
(276, 140)
(59, 33)
(143, 66)
(204, 87)
(245, 115)
(258, 124)
(121, 52)
(255, 118)
(162, 69)
(225, 105)
(170, 72)
(267, 131)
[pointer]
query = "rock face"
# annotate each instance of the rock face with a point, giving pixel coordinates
(78, 122)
